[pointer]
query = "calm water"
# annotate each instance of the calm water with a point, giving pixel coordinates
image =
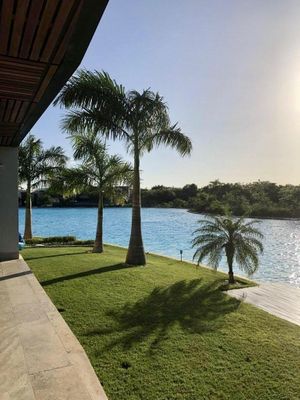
(167, 231)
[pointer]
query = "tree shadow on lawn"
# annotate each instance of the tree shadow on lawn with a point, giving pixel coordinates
(95, 271)
(195, 306)
(55, 255)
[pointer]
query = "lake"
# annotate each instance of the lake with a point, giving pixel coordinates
(167, 231)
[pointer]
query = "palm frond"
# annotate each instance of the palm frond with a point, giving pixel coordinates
(96, 121)
(249, 230)
(170, 137)
(211, 250)
(246, 256)
(89, 89)
(37, 164)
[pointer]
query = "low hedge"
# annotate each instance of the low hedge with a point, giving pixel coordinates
(69, 240)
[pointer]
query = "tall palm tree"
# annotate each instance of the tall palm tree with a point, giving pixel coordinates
(238, 240)
(36, 166)
(98, 170)
(97, 103)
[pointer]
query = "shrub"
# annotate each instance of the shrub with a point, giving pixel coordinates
(59, 239)
(84, 242)
(35, 240)
(51, 239)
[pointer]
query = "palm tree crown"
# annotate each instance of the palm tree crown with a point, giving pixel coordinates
(98, 104)
(238, 240)
(36, 166)
(98, 171)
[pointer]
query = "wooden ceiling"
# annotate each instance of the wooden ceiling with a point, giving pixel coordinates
(41, 44)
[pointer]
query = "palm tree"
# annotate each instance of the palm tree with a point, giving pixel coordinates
(36, 166)
(97, 103)
(98, 171)
(237, 239)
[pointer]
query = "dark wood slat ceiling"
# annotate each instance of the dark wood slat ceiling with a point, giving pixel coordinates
(41, 44)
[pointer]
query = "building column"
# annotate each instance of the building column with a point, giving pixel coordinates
(9, 230)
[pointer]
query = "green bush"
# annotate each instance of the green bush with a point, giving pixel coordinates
(84, 242)
(51, 239)
(35, 240)
(59, 239)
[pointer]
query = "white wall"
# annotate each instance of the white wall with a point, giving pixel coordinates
(8, 203)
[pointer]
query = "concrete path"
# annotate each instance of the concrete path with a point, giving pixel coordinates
(279, 299)
(40, 358)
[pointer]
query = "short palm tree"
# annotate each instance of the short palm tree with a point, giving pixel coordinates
(98, 171)
(36, 166)
(98, 104)
(238, 240)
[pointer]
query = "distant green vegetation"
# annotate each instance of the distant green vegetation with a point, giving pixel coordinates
(167, 331)
(257, 199)
(55, 240)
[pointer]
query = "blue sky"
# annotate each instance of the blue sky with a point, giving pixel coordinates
(230, 73)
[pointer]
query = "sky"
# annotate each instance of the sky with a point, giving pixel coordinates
(230, 73)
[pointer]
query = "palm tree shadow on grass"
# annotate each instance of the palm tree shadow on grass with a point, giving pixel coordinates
(57, 255)
(196, 307)
(83, 274)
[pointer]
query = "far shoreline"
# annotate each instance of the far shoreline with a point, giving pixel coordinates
(166, 208)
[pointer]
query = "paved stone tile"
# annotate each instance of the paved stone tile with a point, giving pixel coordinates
(6, 319)
(20, 291)
(59, 384)
(14, 383)
(279, 299)
(77, 356)
(5, 305)
(84, 368)
(42, 348)
(40, 358)
(44, 301)
(66, 336)
(29, 313)
(14, 267)
(22, 393)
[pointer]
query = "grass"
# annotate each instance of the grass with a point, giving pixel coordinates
(167, 331)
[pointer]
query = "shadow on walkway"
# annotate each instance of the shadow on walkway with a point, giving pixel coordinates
(95, 271)
(195, 306)
(17, 275)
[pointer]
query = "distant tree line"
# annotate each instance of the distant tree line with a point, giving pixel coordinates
(48, 197)
(258, 199)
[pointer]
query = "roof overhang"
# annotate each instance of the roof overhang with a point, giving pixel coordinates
(42, 42)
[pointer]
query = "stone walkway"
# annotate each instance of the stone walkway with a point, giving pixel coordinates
(40, 358)
(279, 299)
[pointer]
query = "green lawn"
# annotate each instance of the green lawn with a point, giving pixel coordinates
(166, 331)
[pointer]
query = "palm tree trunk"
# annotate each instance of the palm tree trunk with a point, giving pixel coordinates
(231, 275)
(28, 210)
(98, 244)
(136, 253)
(229, 256)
